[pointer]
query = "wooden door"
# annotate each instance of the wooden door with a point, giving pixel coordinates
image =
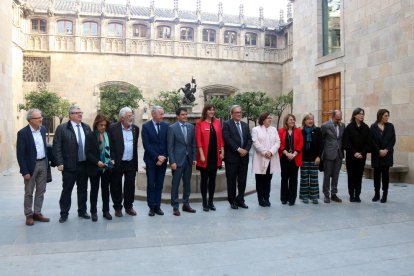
(331, 95)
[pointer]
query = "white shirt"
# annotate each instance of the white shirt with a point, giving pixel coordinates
(128, 143)
(75, 128)
(38, 139)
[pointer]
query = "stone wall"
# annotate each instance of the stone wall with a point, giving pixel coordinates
(376, 64)
(6, 123)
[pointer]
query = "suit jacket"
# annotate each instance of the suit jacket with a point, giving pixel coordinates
(331, 143)
(116, 141)
(382, 140)
(297, 143)
(26, 149)
(232, 141)
(155, 144)
(202, 130)
(65, 145)
(178, 149)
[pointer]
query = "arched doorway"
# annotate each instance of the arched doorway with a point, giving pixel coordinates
(218, 90)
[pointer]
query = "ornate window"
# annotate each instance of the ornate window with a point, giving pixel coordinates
(115, 29)
(139, 30)
(90, 28)
(164, 32)
(230, 37)
(36, 69)
(209, 35)
(331, 25)
(250, 39)
(270, 41)
(65, 27)
(186, 34)
(39, 25)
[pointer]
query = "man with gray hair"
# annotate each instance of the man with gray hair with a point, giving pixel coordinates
(69, 152)
(154, 140)
(32, 159)
(123, 137)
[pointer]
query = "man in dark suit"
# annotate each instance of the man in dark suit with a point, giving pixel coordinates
(123, 138)
(69, 151)
(237, 144)
(154, 140)
(332, 155)
(182, 154)
(32, 159)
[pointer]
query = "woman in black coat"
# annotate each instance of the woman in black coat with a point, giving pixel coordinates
(383, 141)
(357, 143)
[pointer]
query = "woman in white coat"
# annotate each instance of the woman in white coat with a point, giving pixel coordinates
(266, 142)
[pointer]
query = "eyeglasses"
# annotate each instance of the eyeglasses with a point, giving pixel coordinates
(77, 113)
(36, 118)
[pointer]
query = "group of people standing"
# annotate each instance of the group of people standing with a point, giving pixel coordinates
(107, 154)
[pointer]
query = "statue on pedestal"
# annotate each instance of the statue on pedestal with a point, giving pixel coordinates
(189, 90)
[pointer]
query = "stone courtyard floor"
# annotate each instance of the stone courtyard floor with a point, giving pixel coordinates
(324, 239)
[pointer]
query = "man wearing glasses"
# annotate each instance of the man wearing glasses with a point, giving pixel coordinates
(32, 159)
(70, 157)
(123, 137)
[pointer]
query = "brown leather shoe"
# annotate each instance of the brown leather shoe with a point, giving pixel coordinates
(176, 212)
(29, 220)
(41, 218)
(131, 212)
(118, 213)
(187, 208)
(335, 198)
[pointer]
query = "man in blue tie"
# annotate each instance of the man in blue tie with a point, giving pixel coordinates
(182, 155)
(237, 144)
(154, 140)
(69, 152)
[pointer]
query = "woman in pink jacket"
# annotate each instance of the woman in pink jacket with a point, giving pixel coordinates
(266, 143)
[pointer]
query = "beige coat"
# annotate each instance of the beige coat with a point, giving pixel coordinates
(265, 139)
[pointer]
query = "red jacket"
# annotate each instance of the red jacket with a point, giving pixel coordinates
(202, 132)
(297, 143)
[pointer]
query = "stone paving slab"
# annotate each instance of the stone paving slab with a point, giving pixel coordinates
(324, 239)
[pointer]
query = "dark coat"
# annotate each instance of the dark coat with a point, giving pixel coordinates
(232, 141)
(116, 140)
(92, 154)
(357, 139)
(26, 149)
(315, 145)
(65, 145)
(155, 144)
(382, 140)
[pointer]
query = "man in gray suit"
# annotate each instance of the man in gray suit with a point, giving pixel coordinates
(182, 154)
(332, 155)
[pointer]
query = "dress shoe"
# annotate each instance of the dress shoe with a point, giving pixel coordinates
(315, 201)
(63, 219)
(234, 206)
(176, 212)
(187, 208)
(327, 199)
(29, 220)
(159, 212)
(211, 207)
(291, 203)
(118, 213)
(262, 203)
(84, 215)
(107, 215)
(335, 198)
(351, 199)
(376, 197)
(151, 212)
(357, 199)
(94, 216)
(131, 212)
(284, 202)
(40, 217)
(205, 208)
(242, 205)
(267, 203)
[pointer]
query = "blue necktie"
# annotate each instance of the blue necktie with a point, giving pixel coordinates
(81, 155)
(184, 128)
(240, 133)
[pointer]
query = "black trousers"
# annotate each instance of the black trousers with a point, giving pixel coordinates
(355, 170)
(126, 169)
(236, 174)
(208, 182)
(103, 178)
(289, 182)
(381, 173)
(69, 178)
(263, 185)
